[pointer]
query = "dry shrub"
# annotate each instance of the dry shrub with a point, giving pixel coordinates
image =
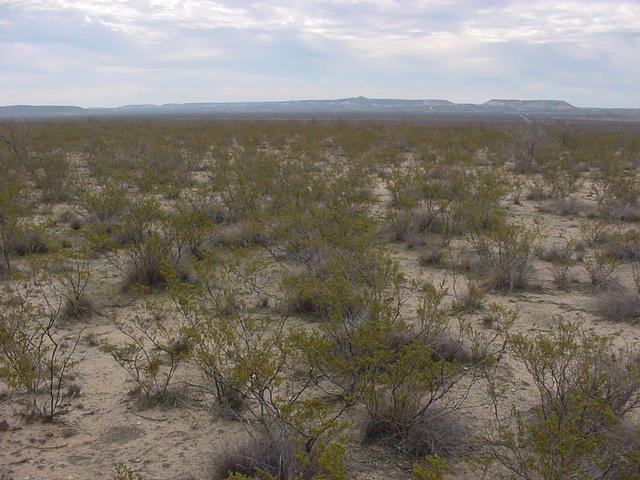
(29, 242)
(560, 257)
(623, 212)
(562, 276)
(431, 257)
(471, 299)
(586, 387)
(600, 268)
(439, 433)
(241, 234)
(564, 207)
(264, 455)
(620, 304)
(451, 348)
(79, 308)
(145, 274)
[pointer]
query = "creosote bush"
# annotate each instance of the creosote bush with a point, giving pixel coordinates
(616, 189)
(600, 268)
(124, 472)
(561, 259)
(506, 253)
(152, 352)
(403, 375)
(586, 387)
(36, 356)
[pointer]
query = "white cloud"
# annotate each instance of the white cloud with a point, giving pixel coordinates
(301, 47)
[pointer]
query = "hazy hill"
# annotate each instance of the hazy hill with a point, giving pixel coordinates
(29, 111)
(344, 106)
(525, 106)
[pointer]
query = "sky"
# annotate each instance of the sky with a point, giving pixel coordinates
(96, 53)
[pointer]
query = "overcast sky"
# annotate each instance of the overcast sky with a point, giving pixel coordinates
(116, 52)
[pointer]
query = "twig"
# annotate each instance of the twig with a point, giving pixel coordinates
(151, 418)
(17, 462)
(195, 425)
(48, 448)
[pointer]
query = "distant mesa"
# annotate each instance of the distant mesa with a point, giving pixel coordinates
(343, 106)
(538, 105)
(29, 111)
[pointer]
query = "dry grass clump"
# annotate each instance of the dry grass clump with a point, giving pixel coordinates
(240, 234)
(264, 455)
(561, 259)
(621, 211)
(624, 246)
(450, 348)
(618, 305)
(79, 308)
(29, 242)
(145, 274)
(564, 207)
(438, 433)
(471, 299)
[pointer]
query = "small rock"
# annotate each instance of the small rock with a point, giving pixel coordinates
(4, 426)
(68, 432)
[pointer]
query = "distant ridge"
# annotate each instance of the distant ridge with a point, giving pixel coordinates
(342, 106)
(528, 105)
(18, 111)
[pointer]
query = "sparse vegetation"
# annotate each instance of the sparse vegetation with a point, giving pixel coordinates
(331, 286)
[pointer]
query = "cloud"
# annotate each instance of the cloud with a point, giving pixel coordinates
(293, 48)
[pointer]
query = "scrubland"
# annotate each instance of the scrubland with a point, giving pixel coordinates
(211, 299)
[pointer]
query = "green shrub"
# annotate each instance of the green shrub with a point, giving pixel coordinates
(600, 268)
(506, 253)
(13, 211)
(103, 205)
(52, 176)
(617, 190)
(123, 472)
(585, 387)
(402, 374)
(561, 261)
(153, 350)
(35, 353)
